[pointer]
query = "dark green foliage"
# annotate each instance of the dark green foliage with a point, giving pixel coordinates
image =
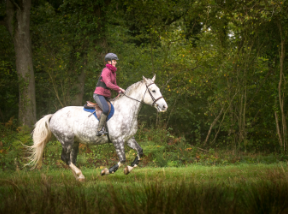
(217, 64)
(12, 151)
(8, 78)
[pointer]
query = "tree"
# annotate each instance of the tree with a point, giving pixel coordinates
(17, 21)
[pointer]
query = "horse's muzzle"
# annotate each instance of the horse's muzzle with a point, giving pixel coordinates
(161, 107)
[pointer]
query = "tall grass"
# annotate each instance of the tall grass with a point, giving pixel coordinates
(233, 189)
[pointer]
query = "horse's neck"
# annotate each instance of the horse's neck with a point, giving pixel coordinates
(131, 105)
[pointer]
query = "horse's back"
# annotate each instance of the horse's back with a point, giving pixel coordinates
(67, 116)
(74, 122)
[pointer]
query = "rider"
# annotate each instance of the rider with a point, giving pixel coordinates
(106, 81)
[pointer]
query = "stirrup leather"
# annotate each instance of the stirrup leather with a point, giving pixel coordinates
(102, 132)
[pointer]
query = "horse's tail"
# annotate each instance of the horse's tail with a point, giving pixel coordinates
(41, 136)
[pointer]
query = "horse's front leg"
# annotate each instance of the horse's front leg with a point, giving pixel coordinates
(119, 146)
(132, 143)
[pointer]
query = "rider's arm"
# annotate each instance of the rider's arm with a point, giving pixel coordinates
(120, 89)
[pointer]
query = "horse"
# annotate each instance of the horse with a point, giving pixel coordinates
(72, 125)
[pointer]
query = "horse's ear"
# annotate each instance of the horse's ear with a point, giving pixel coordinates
(145, 80)
(154, 78)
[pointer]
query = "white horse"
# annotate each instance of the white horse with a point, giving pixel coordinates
(72, 125)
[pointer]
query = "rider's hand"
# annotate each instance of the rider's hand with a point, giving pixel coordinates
(121, 90)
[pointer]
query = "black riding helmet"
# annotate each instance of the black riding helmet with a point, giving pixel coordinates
(110, 57)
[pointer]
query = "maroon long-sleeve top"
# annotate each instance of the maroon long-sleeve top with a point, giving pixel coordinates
(109, 78)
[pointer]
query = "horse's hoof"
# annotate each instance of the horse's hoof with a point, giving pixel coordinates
(126, 170)
(81, 179)
(105, 172)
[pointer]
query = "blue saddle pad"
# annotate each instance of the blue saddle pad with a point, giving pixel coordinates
(109, 116)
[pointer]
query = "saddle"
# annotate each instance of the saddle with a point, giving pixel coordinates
(98, 110)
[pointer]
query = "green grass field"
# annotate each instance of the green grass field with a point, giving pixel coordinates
(242, 188)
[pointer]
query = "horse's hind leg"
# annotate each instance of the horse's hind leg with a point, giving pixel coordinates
(69, 156)
(132, 143)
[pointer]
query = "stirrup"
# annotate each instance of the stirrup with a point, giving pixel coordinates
(102, 132)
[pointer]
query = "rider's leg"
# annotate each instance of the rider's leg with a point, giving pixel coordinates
(102, 103)
(132, 143)
(101, 125)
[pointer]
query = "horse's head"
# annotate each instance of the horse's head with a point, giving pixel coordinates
(153, 95)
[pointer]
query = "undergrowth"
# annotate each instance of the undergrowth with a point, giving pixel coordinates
(161, 149)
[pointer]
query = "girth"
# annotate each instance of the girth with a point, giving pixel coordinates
(98, 110)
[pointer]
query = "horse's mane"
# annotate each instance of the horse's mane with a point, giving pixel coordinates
(128, 90)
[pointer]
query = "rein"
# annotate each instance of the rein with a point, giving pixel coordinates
(153, 98)
(132, 98)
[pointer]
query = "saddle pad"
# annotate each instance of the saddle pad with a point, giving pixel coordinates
(92, 110)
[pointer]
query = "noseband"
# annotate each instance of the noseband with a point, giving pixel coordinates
(153, 98)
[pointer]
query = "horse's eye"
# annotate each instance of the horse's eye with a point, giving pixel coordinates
(153, 91)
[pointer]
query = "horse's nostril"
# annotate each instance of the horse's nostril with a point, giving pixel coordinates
(164, 106)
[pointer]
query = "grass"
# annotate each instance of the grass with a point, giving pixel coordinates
(173, 177)
(242, 188)
(168, 174)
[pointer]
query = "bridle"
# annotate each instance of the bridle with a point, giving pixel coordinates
(153, 98)
(147, 88)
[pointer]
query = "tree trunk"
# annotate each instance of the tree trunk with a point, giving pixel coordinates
(18, 24)
(77, 100)
(278, 129)
(281, 86)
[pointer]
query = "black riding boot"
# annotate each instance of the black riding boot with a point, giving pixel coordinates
(101, 126)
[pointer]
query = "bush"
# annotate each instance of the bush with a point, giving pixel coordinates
(12, 152)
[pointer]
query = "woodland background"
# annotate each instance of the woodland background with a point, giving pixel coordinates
(220, 64)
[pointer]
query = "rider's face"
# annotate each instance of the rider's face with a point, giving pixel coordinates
(114, 62)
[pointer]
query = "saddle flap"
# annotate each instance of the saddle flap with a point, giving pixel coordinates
(90, 104)
(97, 108)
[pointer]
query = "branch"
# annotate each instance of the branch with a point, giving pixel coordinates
(278, 129)
(220, 125)
(212, 125)
(201, 149)
(252, 99)
(15, 4)
(169, 21)
(217, 118)
(178, 74)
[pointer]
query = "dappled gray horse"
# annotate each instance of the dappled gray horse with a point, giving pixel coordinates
(72, 125)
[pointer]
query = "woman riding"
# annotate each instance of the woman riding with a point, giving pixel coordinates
(106, 81)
